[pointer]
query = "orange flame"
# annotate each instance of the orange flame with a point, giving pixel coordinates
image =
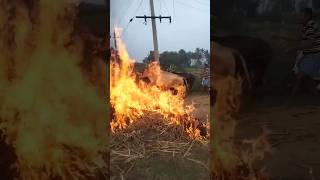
(132, 97)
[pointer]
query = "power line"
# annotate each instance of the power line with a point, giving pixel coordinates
(165, 6)
(125, 29)
(190, 6)
(174, 11)
(138, 8)
(131, 3)
(204, 3)
(128, 24)
(160, 7)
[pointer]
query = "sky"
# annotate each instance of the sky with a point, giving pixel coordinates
(190, 27)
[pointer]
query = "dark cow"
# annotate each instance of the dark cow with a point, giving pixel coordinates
(256, 52)
(188, 79)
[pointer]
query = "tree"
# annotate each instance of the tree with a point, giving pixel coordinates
(198, 63)
(185, 60)
(173, 58)
(180, 59)
(207, 56)
(198, 53)
(182, 52)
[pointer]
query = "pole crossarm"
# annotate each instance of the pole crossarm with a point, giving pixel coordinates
(154, 17)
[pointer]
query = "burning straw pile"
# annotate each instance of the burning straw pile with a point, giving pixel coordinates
(151, 136)
(147, 119)
(131, 98)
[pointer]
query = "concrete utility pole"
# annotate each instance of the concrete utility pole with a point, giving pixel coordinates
(115, 46)
(154, 32)
(115, 40)
(154, 28)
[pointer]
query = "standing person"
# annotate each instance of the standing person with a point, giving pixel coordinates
(206, 78)
(171, 68)
(308, 65)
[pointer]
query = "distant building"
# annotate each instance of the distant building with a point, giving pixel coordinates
(194, 61)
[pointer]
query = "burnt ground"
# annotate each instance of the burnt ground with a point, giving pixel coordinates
(294, 135)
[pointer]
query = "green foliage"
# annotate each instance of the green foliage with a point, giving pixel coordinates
(198, 63)
(180, 59)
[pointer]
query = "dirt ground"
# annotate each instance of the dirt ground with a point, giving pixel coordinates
(294, 135)
(201, 102)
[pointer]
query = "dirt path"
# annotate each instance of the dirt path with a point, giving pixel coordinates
(295, 136)
(201, 102)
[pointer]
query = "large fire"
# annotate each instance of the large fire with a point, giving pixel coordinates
(50, 113)
(55, 119)
(232, 160)
(131, 97)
